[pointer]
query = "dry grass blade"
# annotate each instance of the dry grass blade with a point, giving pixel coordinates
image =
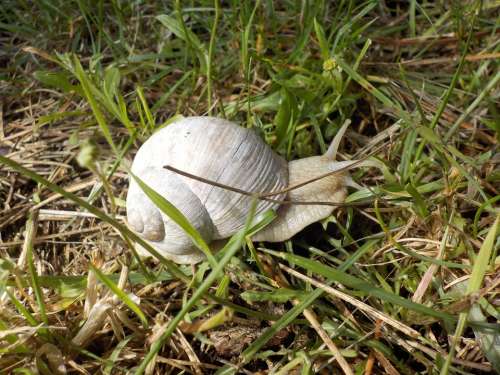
(478, 273)
(353, 301)
(312, 318)
(95, 320)
(29, 240)
(429, 274)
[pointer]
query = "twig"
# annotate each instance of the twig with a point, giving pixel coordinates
(264, 196)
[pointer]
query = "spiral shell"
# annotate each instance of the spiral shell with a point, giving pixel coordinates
(212, 148)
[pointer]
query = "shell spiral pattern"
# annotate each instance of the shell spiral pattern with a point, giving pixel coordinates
(211, 148)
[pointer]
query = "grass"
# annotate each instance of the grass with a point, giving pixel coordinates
(405, 283)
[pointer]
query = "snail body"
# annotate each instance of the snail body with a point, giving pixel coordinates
(221, 151)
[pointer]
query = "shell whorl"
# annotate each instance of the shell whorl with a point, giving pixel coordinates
(152, 224)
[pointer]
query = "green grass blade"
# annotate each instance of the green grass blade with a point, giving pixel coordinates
(211, 46)
(229, 251)
(245, 41)
(120, 294)
(323, 42)
(22, 309)
(473, 285)
(366, 247)
(480, 210)
(483, 258)
(101, 121)
(433, 139)
(180, 30)
(489, 338)
(113, 357)
(372, 89)
(479, 99)
(172, 267)
(355, 283)
(284, 321)
(177, 217)
(451, 87)
(412, 15)
(30, 232)
(169, 93)
(144, 105)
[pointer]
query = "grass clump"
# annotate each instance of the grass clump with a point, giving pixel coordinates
(407, 283)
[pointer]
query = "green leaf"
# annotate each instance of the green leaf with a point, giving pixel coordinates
(111, 81)
(145, 107)
(284, 321)
(430, 136)
(372, 89)
(42, 120)
(483, 258)
(261, 221)
(419, 201)
(188, 36)
(245, 40)
(170, 91)
(55, 79)
(113, 357)
(285, 117)
(473, 285)
(480, 210)
(406, 156)
(30, 232)
(23, 370)
(261, 103)
(488, 338)
(87, 89)
(23, 310)
(323, 43)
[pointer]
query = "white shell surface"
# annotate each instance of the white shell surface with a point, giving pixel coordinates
(145, 218)
(221, 151)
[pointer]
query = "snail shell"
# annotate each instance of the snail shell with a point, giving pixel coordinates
(221, 151)
(212, 148)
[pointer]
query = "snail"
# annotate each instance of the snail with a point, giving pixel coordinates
(222, 151)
